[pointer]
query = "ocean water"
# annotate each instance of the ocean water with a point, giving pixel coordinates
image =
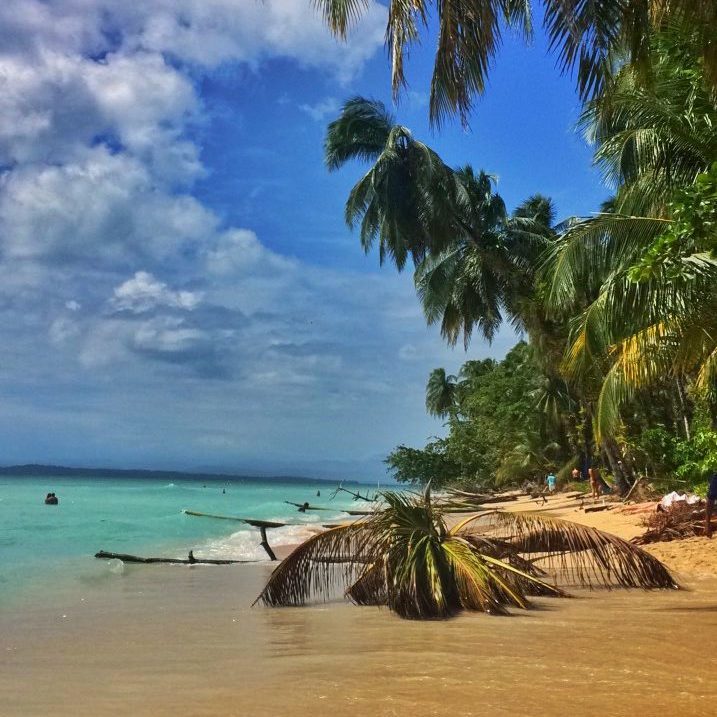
(46, 548)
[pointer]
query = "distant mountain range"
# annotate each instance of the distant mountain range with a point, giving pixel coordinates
(33, 469)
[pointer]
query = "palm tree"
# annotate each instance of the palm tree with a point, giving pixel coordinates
(639, 282)
(441, 393)
(404, 556)
(406, 199)
(449, 222)
(469, 284)
(590, 38)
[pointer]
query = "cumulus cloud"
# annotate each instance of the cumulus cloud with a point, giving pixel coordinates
(105, 207)
(143, 293)
(126, 302)
(206, 33)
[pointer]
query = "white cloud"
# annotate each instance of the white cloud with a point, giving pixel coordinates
(104, 206)
(120, 290)
(167, 335)
(206, 33)
(321, 110)
(143, 293)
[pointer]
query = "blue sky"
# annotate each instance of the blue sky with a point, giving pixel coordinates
(177, 286)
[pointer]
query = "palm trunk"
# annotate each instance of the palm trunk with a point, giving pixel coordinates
(588, 437)
(682, 398)
(612, 453)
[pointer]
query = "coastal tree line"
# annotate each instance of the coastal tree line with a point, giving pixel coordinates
(618, 311)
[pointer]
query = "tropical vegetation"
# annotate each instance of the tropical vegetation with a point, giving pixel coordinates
(618, 310)
(588, 38)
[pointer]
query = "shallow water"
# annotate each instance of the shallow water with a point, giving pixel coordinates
(165, 640)
(43, 546)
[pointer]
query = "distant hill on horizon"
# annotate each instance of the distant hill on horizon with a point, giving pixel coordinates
(36, 469)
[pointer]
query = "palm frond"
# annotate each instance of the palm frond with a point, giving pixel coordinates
(360, 132)
(575, 554)
(320, 566)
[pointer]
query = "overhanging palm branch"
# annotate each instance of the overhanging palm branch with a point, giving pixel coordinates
(663, 129)
(405, 557)
(590, 38)
(406, 200)
(360, 132)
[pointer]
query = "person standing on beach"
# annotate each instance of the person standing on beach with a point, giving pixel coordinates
(594, 475)
(711, 498)
(576, 474)
(551, 480)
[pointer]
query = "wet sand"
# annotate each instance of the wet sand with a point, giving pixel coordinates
(167, 640)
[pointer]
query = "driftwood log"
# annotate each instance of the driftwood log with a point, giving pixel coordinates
(190, 560)
(598, 508)
(356, 496)
(248, 521)
(303, 507)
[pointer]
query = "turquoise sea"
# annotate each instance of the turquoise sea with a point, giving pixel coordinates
(46, 548)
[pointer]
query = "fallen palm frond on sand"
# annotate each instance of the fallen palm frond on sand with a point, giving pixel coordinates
(405, 557)
(674, 523)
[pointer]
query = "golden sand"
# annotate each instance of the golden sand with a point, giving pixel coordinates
(184, 641)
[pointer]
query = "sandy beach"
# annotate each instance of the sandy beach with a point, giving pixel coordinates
(166, 640)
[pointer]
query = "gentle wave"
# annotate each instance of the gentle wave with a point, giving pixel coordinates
(245, 544)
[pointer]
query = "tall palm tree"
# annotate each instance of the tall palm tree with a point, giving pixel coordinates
(449, 222)
(643, 296)
(469, 283)
(590, 38)
(404, 556)
(406, 199)
(441, 393)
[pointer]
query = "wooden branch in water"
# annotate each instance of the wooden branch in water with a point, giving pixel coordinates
(303, 507)
(265, 544)
(357, 496)
(248, 521)
(191, 560)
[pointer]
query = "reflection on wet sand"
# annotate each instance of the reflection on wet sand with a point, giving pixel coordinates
(185, 641)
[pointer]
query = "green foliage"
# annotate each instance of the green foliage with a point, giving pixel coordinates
(589, 39)
(419, 466)
(499, 430)
(698, 459)
(693, 229)
(619, 309)
(675, 463)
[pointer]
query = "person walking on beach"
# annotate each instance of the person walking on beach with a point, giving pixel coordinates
(551, 480)
(594, 475)
(711, 498)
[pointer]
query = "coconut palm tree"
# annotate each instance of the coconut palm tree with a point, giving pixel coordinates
(589, 38)
(404, 556)
(406, 200)
(441, 393)
(637, 277)
(449, 222)
(470, 283)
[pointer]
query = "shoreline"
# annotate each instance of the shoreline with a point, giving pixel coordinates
(168, 640)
